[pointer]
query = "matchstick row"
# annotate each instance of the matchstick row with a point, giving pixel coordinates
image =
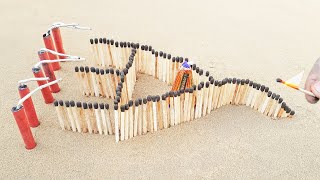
(111, 53)
(175, 107)
(84, 117)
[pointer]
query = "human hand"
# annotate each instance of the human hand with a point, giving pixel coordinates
(313, 83)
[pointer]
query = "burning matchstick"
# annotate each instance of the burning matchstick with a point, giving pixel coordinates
(295, 87)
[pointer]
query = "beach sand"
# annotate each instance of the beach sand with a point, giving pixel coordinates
(259, 40)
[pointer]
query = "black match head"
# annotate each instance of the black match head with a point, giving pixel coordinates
(254, 85)
(202, 83)
(292, 113)
(288, 110)
(154, 98)
(95, 105)
(150, 48)
(92, 69)
(186, 59)
(262, 88)
(210, 78)
(87, 69)
(101, 105)
(283, 105)
(199, 87)
(229, 80)
(158, 98)
(201, 72)
(165, 55)
(104, 40)
(238, 81)
(234, 80)
(100, 40)
(127, 106)
(79, 105)
(81, 69)
(163, 97)
(207, 84)
(111, 41)
(102, 71)
(61, 103)
(273, 95)
(97, 70)
(90, 105)
(277, 97)
(72, 104)
(216, 83)
(269, 94)
(212, 81)
(175, 93)
(145, 100)
(142, 47)
(191, 90)
(181, 59)
(136, 102)
(56, 103)
(111, 71)
(171, 93)
(280, 100)
(173, 59)
(116, 107)
(207, 73)
(140, 101)
(247, 81)
(279, 80)
(130, 103)
(224, 81)
(116, 44)
(149, 98)
(122, 108)
(85, 105)
(91, 41)
(156, 54)
(106, 106)
(250, 83)
(194, 87)
(107, 71)
(169, 56)
(76, 69)
(242, 81)
(67, 103)
(258, 86)
(266, 89)
(96, 40)
(161, 53)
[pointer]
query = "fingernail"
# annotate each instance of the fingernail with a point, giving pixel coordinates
(317, 86)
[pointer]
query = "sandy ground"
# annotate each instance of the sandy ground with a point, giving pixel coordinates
(260, 40)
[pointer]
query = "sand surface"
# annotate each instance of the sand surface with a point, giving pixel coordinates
(260, 40)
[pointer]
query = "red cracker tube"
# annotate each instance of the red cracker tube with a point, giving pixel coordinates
(46, 93)
(58, 41)
(49, 45)
(49, 71)
(28, 106)
(22, 122)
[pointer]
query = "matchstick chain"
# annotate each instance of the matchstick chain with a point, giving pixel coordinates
(115, 76)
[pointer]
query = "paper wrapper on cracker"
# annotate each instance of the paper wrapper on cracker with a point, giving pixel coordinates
(184, 78)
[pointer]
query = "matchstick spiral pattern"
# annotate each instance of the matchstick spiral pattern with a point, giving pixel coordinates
(113, 72)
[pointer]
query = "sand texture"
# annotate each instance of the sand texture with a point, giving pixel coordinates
(259, 40)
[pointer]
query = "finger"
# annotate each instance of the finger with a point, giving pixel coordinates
(308, 86)
(315, 89)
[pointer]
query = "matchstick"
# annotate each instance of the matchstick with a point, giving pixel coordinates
(92, 118)
(150, 114)
(88, 80)
(164, 111)
(99, 83)
(126, 122)
(193, 105)
(263, 97)
(116, 122)
(145, 117)
(59, 113)
(205, 98)
(94, 82)
(198, 103)
(136, 123)
(131, 119)
(270, 103)
(83, 127)
(87, 117)
(168, 70)
(282, 109)
(140, 120)
(259, 98)
(70, 116)
(251, 93)
(215, 88)
(291, 114)
(185, 110)
(64, 116)
(277, 109)
(265, 102)
(190, 102)
(75, 116)
(181, 101)
(98, 119)
(171, 105)
(122, 122)
(273, 106)
(256, 93)
(155, 116)
(217, 95)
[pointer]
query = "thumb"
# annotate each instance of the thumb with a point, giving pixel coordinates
(315, 89)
